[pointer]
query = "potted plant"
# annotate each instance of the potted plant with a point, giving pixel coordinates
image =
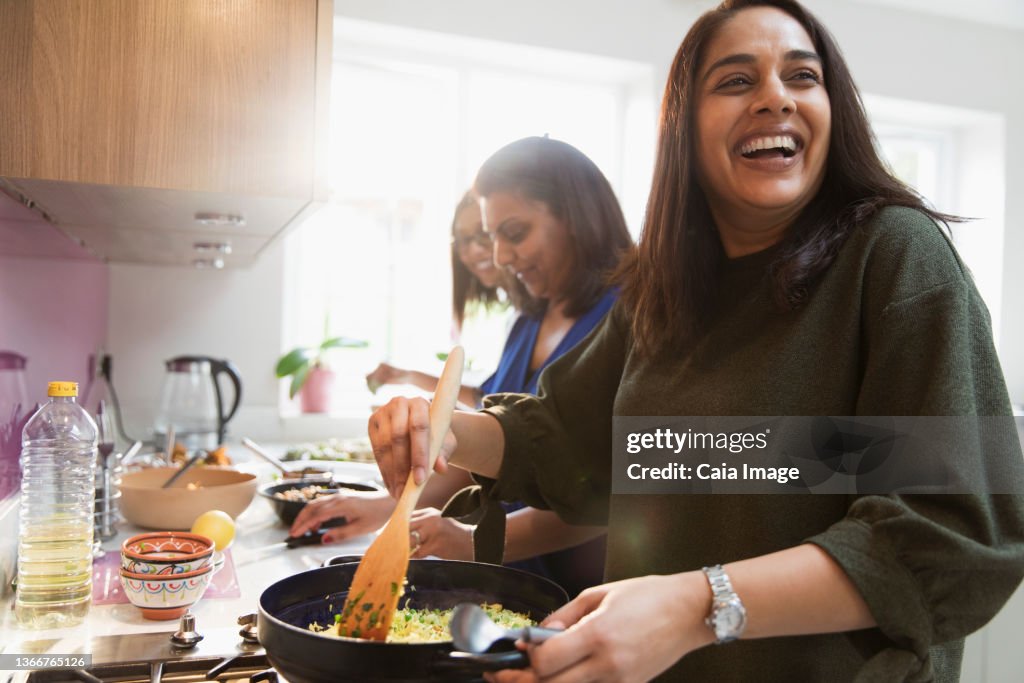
(305, 365)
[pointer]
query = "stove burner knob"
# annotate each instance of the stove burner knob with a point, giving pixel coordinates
(186, 636)
(250, 628)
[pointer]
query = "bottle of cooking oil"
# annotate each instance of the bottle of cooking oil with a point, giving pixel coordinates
(58, 464)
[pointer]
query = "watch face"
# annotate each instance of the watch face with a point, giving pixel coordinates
(729, 618)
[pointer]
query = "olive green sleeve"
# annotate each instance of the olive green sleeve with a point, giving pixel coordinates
(558, 444)
(931, 568)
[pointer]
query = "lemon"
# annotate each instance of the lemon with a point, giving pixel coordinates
(217, 526)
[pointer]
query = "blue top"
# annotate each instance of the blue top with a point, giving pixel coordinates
(513, 374)
(581, 566)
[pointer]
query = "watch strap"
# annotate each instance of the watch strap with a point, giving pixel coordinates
(721, 586)
(723, 598)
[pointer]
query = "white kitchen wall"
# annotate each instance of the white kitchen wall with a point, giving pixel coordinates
(159, 312)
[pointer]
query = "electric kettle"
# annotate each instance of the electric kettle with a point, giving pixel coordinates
(191, 403)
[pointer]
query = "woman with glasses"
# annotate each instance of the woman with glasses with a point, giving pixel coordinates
(476, 281)
(558, 229)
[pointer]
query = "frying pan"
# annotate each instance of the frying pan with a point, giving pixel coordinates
(289, 606)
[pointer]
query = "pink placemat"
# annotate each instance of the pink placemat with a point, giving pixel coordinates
(107, 590)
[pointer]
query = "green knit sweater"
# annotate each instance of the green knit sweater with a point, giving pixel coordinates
(895, 327)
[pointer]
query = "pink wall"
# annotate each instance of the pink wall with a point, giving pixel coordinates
(54, 296)
(54, 312)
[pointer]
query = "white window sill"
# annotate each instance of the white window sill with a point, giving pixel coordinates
(266, 424)
(318, 426)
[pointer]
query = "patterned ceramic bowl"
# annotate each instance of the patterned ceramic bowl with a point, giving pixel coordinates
(167, 596)
(160, 553)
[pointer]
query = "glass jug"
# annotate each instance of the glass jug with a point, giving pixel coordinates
(191, 402)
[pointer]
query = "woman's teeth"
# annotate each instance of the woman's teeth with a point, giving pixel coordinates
(785, 143)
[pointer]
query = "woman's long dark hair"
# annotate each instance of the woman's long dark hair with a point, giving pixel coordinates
(669, 281)
(576, 192)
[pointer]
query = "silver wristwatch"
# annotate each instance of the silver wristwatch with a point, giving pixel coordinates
(728, 616)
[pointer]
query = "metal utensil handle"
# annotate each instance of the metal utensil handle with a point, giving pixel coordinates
(130, 453)
(258, 450)
(468, 663)
(191, 461)
(538, 634)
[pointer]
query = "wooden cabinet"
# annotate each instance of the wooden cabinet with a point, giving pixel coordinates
(129, 117)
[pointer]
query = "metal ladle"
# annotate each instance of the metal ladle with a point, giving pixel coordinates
(310, 472)
(473, 631)
(188, 465)
(255, 448)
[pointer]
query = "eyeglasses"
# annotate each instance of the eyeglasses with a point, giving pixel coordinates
(480, 238)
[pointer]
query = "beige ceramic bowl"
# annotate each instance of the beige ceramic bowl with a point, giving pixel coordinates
(145, 504)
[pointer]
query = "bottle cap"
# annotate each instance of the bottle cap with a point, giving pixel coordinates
(62, 389)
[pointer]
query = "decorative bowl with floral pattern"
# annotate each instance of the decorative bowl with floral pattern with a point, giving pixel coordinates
(159, 553)
(165, 596)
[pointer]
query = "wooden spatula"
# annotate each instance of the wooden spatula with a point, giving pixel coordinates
(377, 584)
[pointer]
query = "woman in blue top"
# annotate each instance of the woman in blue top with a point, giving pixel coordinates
(556, 227)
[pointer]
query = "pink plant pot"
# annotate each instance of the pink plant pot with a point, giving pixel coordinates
(315, 396)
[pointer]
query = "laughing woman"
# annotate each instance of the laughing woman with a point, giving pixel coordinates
(782, 271)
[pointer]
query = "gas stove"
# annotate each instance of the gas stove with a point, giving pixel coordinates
(225, 655)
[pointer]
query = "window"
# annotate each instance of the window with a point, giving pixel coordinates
(920, 157)
(413, 116)
(955, 158)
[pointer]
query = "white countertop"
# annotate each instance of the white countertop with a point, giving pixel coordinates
(256, 566)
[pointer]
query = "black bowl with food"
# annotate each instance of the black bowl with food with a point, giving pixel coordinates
(289, 497)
